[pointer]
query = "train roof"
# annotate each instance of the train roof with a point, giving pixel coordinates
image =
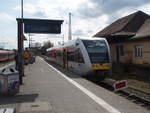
(5, 51)
(91, 38)
(72, 42)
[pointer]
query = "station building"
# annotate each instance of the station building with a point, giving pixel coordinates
(129, 39)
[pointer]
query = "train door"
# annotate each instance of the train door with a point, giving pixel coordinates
(79, 61)
(65, 59)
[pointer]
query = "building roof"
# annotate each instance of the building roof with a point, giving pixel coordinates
(125, 27)
(144, 31)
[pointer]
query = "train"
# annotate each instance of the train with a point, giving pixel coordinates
(6, 55)
(84, 56)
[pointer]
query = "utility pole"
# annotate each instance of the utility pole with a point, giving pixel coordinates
(69, 33)
(22, 9)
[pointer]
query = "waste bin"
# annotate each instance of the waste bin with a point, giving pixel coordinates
(3, 84)
(9, 81)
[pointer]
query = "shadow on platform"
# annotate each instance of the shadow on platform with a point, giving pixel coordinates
(18, 99)
(64, 71)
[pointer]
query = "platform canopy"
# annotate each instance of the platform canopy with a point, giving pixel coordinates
(41, 26)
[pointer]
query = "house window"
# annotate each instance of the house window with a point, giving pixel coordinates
(120, 50)
(138, 51)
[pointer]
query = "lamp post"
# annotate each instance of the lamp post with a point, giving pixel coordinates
(69, 33)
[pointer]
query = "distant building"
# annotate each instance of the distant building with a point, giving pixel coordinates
(129, 39)
(36, 45)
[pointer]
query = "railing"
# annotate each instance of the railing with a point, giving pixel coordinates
(5, 63)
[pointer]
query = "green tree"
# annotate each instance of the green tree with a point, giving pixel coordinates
(46, 45)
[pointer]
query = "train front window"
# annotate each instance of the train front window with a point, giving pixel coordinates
(97, 50)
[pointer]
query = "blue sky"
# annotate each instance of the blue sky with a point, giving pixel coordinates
(88, 16)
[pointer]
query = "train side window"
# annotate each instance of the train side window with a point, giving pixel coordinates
(1, 55)
(58, 54)
(70, 56)
(77, 44)
(76, 55)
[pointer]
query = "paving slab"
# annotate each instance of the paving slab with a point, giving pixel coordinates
(50, 87)
(35, 106)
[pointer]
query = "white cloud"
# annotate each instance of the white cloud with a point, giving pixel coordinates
(80, 23)
(100, 7)
(7, 41)
(90, 26)
(88, 16)
(7, 29)
(4, 17)
(49, 8)
(145, 8)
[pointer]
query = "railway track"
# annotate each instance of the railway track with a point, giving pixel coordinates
(131, 94)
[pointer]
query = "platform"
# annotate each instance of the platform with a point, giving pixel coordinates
(50, 89)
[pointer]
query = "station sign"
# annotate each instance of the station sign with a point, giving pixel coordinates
(120, 85)
(42, 26)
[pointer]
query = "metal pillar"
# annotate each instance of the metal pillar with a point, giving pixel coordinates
(20, 51)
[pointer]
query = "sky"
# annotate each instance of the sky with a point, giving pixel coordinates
(88, 17)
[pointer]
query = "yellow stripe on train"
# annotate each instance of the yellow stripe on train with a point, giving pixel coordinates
(104, 66)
